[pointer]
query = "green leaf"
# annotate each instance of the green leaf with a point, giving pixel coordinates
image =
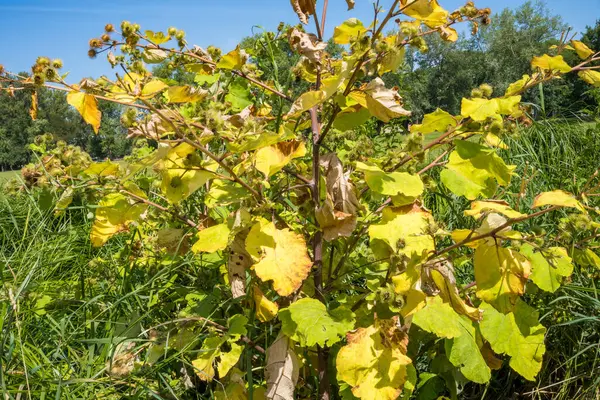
(211, 239)
(223, 193)
(517, 334)
(462, 350)
(349, 29)
(437, 121)
(351, 117)
(392, 183)
(501, 274)
(548, 63)
(236, 326)
(549, 267)
(586, 258)
(157, 38)
(439, 318)
(557, 198)
(281, 256)
(238, 95)
(473, 170)
(308, 322)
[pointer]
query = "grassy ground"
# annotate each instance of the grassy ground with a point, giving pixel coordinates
(66, 308)
(6, 175)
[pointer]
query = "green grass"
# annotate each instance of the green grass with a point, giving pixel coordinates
(6, 175)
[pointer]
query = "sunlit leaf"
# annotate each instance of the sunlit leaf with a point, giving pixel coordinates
(87, 106)
(517, 334)
(549, 266)
(157, 38)
(185, 94)
(582, 50)
(235, 59)
(349, 29)
(114, 214)
(211, 239)
(427, 11)
(478, 208)
(266, 310)
(270, 160)
(280, 255)
(557, 198)
(437, 121)
(384, 104)
(550, 63)
(501, 274)
(308, 322)
(374, 362)
(591, 77)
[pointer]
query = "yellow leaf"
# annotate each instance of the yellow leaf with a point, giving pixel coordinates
(185, 94)
(591, 77)
(87, 106)
(478, 208)
(546, 62)
(33, 110)
(281, 256)
(557, 198)
(115, 212)
(266, 310)
(235, 59)
(582, 50)
(403, 230)
(427, 11)
(501, 274)
(479, 109)
(271, 159)
(349, 29)
(212, 239)
(374, 361)
(517, 87)
(153, 87)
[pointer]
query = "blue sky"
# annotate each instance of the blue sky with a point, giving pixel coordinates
(62, 28)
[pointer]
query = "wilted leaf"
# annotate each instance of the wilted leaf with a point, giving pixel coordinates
(33, 109)
(238, 261)
(374, 362)
(308, 322)
(280, 256)
(517, 334)
(154, 56)
(307, 45)
(87, 106)
(304, 9)
(282, 369)
(384, 104)
(338, 214)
